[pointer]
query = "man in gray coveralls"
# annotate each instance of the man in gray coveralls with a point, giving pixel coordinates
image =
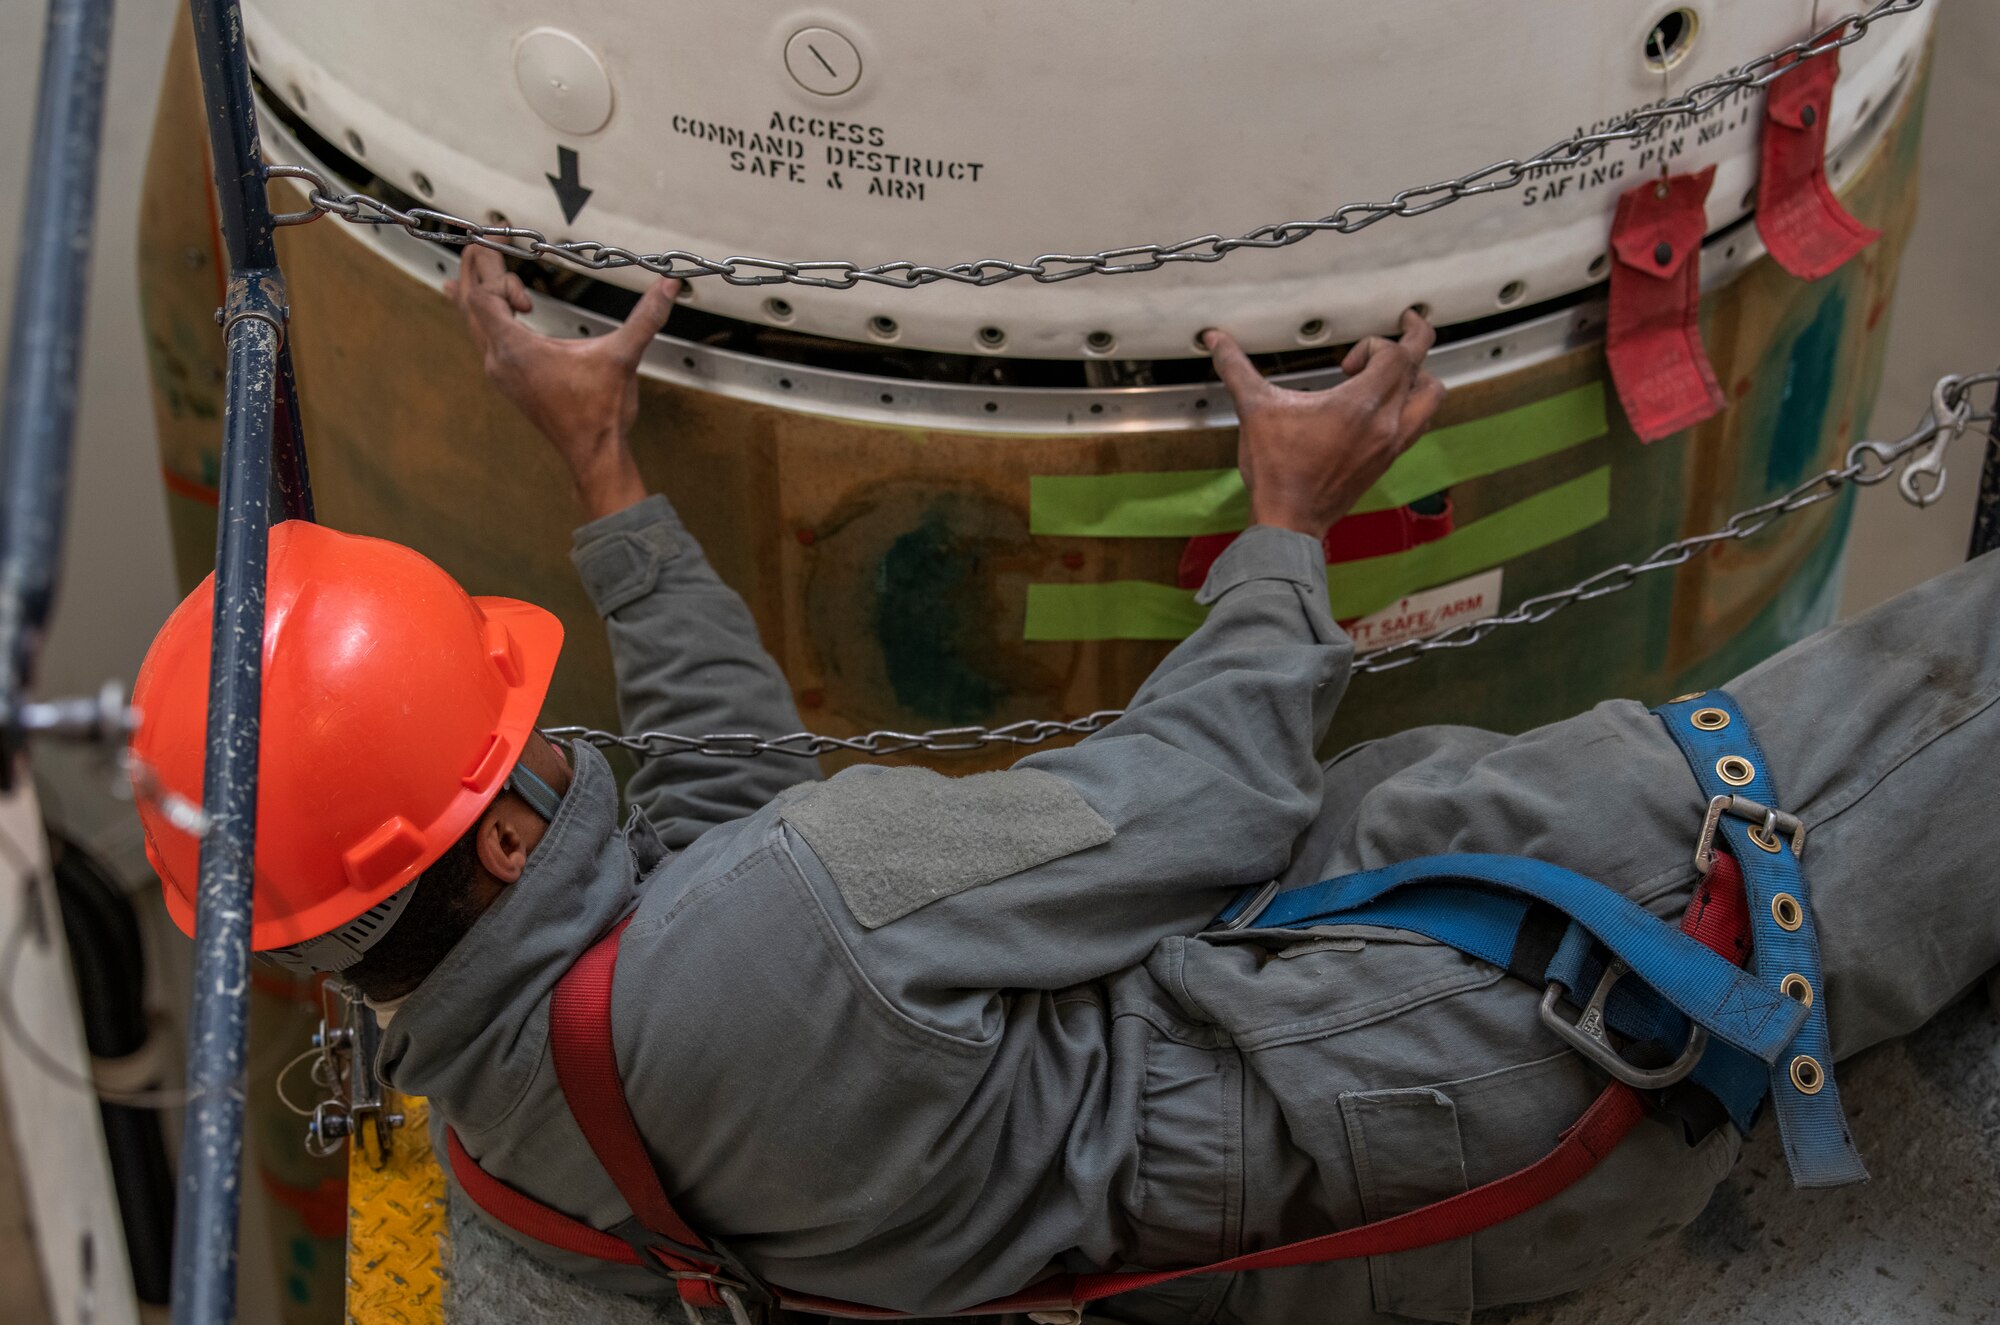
(915, 1041)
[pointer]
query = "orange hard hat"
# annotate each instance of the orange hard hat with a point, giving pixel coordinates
(395, 706)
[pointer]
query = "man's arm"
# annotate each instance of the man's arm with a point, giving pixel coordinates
(950, 889)
(683, 644)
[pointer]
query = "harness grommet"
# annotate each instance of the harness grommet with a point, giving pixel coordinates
(1709, 720)
(1797, 988)
(1807, 1075)
(1687, 699)
(1785, 909)
(1764, 841)
(1736, 770)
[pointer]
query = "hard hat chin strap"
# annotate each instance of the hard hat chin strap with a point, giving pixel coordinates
(541, 797)
(341, 948)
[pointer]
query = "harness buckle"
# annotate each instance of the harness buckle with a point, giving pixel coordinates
(1770, 823)
(654, 1251)
(1590, 1035)
(738, 1313)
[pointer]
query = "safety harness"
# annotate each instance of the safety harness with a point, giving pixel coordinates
(1731, 1033)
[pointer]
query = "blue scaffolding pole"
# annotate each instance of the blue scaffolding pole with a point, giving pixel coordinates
(260, 409)
(52, 281)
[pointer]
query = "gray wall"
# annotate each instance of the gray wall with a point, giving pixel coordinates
(118, 580)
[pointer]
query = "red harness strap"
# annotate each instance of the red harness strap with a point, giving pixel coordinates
(587, 1068)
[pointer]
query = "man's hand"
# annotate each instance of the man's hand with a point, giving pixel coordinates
(1308, 456)
(582, 394)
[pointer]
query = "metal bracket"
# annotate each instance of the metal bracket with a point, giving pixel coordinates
(1770, 823)
(346, 1067)
(256, 295)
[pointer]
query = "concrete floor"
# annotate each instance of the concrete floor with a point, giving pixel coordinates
(1915, 1245)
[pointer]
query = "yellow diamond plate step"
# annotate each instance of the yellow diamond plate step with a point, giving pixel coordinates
(396, 1224)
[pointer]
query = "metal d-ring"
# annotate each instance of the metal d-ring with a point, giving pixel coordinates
(1590, 1035)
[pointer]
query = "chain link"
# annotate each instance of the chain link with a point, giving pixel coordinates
(1865, 464)
(324, 199)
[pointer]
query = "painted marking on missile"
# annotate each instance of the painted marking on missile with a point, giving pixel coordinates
(569, 189)
(781, 151)
(1662, 146)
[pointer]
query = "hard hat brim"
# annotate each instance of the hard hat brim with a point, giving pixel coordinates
(537, 636)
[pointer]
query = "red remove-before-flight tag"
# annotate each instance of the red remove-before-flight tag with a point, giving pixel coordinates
(1653, 341)
(1807, 230)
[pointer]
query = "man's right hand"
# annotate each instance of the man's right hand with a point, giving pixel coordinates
(582, 394)
(1308, 456)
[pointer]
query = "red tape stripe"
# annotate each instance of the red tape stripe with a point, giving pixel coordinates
(1355, 538)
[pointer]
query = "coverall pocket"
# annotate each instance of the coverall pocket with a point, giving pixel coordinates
(1407, 1153)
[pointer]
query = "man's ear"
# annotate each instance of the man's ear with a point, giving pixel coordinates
(501, 850)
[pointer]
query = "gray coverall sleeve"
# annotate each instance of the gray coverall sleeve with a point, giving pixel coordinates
(688, 660)
(1205, 784)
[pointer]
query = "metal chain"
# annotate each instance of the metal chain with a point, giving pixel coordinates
(809, 745)
(444, 228)
(1865, 464)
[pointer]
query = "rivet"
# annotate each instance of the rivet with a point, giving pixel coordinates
(1664, 253)
(1736, 770)
(1710, 720)
(1809, 116)
(1785, 909)
(1797, 988)
(1807, 1075)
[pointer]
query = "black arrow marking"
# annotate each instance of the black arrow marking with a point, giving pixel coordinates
(569, 190)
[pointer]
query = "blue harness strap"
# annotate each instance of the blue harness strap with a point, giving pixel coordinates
(1727, 761)
(1701, 985)
(1768, 1024)
(1492, 925)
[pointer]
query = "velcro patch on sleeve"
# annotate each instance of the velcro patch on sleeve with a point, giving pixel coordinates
(898, 839)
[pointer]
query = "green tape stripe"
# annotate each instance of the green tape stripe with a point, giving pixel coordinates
(1139, 609)
(1184, 503)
